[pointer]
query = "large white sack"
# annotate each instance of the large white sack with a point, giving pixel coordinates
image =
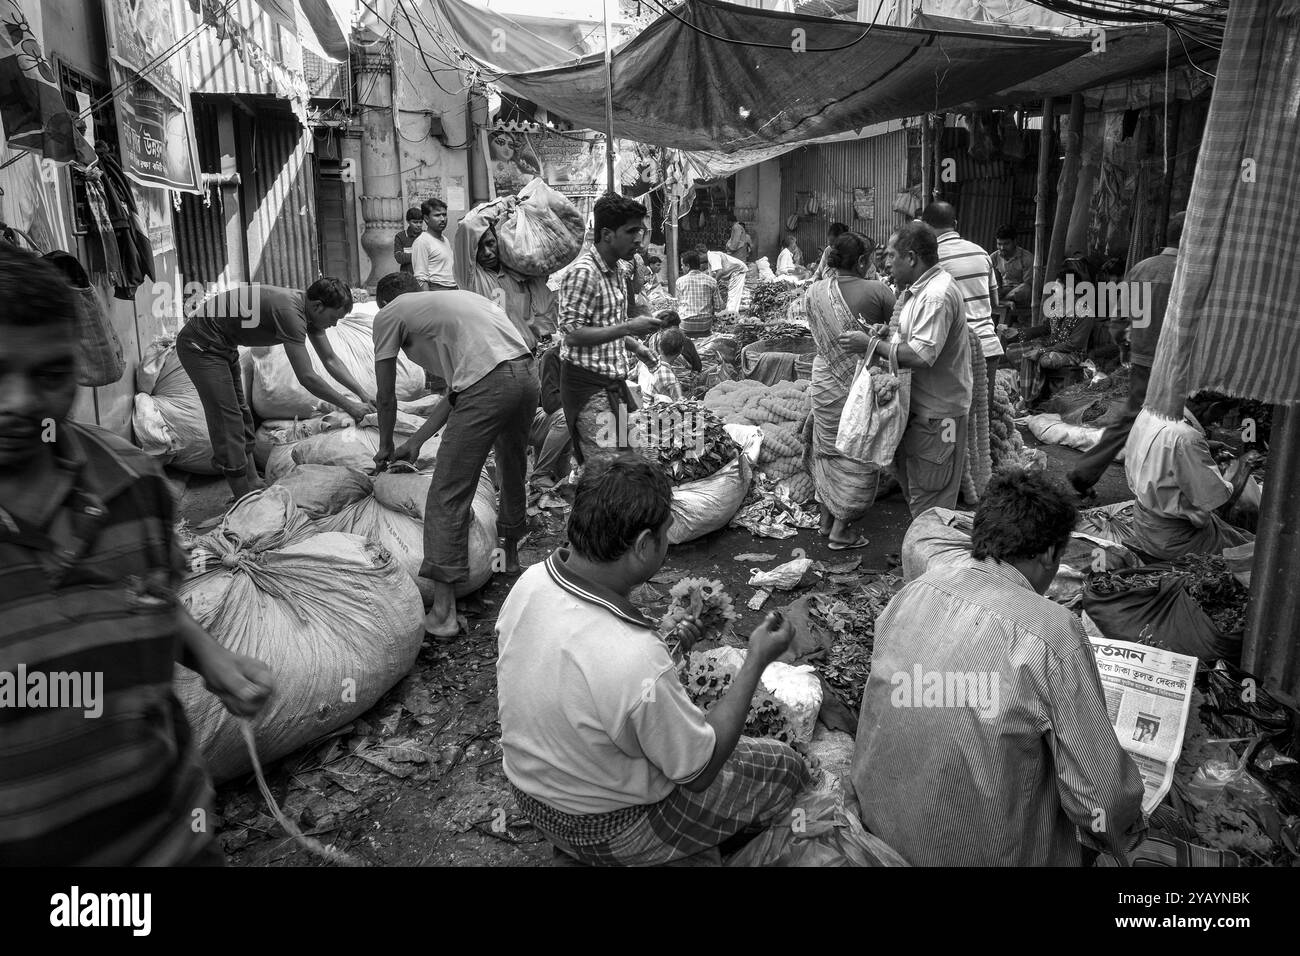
(277, 394)
(276, 437)
(333, 616)
(167, 415)
(394, 518)
(1050, 430)
(320, 490)
(707, 504)
(350, 447)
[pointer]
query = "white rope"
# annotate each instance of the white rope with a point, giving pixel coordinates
(331, 853)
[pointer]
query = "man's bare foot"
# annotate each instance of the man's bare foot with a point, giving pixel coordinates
(439, 625)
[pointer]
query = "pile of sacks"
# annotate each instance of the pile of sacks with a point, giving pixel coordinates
(167, 415)
(327, 472)
(334, 616)
(275, 393)
(782, 413)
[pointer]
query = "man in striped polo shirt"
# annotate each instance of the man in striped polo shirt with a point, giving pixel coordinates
(97, 766)
(594, 361)
(972, 269)
(983, 738)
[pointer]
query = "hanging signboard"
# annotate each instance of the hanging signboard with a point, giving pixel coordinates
(155, 123)
(864, 202)
(573, 166)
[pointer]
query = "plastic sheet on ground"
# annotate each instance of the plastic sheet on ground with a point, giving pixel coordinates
(1051, 430)
(819, 831)
(774, 515)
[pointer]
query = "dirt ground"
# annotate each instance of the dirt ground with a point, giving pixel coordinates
(417, 781)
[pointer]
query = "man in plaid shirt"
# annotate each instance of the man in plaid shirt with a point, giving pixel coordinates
(699, 297)
(594, 361)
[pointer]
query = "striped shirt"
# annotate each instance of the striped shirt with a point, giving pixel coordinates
(972, 270)
(595, 294)
(699, 298)
(93, 593)
(984, 738)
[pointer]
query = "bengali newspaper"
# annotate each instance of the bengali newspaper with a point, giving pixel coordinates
(1148, 694)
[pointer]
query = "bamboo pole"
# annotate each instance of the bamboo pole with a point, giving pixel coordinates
(926, 161)
(1040, 211)
(1166, 195)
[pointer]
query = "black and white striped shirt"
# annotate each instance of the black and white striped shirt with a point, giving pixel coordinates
(972, 270)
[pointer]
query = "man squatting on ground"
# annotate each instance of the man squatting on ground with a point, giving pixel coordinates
(88, 575)
(490, 404)
(607, 755)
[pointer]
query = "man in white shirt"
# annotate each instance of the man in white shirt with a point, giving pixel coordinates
(727, 271)
(609, 758)
(431, 256)
(1180, 497)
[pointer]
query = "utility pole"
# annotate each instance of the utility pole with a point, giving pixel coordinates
(609, 101)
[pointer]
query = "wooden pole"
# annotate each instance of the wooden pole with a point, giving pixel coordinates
(926, 163)
(1171, 148)
(1065, 190)
(1271, 651)
(609, 101)
(670, 243)
(1040, 211)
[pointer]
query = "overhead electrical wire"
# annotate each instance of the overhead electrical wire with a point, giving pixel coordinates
(768, 46)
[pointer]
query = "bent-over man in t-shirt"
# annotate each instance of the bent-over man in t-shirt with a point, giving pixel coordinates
(261, 315)
(608, 756)
(492, 394)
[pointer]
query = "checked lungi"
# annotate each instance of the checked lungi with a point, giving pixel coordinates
(755, 788)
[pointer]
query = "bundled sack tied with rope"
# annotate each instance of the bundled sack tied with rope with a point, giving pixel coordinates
(540, 233)
(167, 416)
(276, 440)
(333, 616)
(392, 515)
(277, 393)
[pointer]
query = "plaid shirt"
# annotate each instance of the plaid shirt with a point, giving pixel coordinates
(664, 385)
(698, 299)
(593, 294)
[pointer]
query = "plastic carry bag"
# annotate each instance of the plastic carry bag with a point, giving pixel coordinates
(333, 616)
(100, 359)
(820, 831)
(871, 428)
(707, 504)
(543, 232)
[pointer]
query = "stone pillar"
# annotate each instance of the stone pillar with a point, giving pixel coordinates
(381, 162)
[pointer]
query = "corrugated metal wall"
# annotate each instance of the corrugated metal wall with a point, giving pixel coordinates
(990, 194)
(282, 211)
(831, 172)
(215, 67)
(200, 229)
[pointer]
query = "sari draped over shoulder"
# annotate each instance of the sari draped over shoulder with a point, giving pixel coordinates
(846, 486)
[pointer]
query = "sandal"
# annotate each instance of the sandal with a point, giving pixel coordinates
(862, 542)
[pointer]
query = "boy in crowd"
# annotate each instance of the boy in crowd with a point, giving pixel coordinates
(403, 240)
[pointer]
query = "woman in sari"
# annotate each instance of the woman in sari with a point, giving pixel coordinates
(845, 301)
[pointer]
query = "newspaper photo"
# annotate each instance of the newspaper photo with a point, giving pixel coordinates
(1148, 693)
